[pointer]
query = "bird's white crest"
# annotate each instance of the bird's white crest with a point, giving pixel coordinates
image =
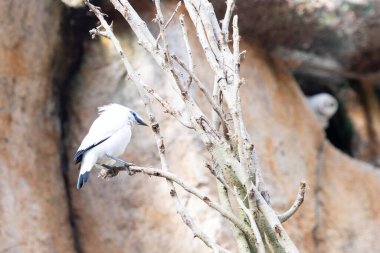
(324, 106)
(112, 107)
(109, 134)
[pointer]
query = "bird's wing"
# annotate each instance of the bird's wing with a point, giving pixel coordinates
(79, 154)
(103, 128)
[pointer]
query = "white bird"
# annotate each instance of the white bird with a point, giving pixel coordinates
(108, 135)
(324, 106)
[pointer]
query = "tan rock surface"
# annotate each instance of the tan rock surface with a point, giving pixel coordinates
(33, 203)
(135, 214)
(349, 207)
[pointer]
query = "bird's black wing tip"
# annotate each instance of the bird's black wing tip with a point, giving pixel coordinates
(83, 178)
(79, 156)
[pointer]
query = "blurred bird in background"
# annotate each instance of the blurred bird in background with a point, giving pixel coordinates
(109, 135)
(324, 106)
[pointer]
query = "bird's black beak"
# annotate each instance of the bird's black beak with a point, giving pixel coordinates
(142, 123)
(138, 120)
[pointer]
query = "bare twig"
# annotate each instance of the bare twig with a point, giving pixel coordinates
(139, 27)
(227, 18)
(236, 114)
(168, 108)
(173, 14)
(207, 15)
(189, 53)
(167, 61)
(169, 20)
(97, 32)
(297, 203)
(201, 34)
(202, 87)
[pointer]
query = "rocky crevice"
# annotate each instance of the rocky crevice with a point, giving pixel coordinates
(66, 65)
(367, 140)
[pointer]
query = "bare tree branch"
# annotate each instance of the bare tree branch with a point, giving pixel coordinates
(168, 109)
(242, 243)
(297, 203)
(255, 229)
(189, 54)
(236, 165)
(187, 187)
(202, 87)
(273, 222)
(169, 20)
(187, 219)
(227, 18)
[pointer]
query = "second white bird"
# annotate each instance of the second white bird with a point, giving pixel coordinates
(109, 135)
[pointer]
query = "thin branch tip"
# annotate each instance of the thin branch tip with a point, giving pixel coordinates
(297, 203)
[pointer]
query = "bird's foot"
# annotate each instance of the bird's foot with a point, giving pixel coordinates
(127, 165)
(113, 171)
(124, 164)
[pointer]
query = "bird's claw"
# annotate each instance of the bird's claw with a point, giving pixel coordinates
(125, 164)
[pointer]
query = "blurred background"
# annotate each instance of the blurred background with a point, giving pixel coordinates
(53, 76)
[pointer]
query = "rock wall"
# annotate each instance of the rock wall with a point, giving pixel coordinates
(42, 211)
(33, 201)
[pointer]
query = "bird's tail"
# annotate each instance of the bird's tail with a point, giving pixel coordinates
(82, 179)
(85, 168)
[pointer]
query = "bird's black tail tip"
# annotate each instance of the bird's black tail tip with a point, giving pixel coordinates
(82, 179)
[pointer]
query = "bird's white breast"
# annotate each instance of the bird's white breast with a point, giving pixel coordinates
(115, 145)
